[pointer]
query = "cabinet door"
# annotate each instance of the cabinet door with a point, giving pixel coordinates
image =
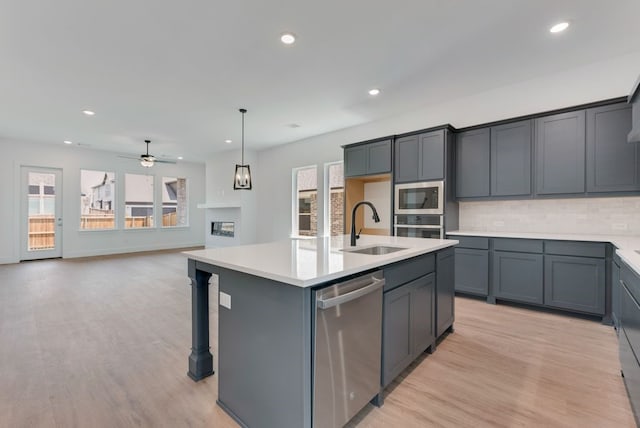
(473, 163)
(355, 161)
(518, 276)
(422, 314)
(397, 352)
(472, 271)
(560, 153)
(575, 283)
(630, 318)
(612, 163)
(615, 295)
(445, 290)
(431, 156)
(379, 157)
(511, 159)
(406, 161)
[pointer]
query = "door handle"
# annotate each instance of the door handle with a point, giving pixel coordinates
(59, 222)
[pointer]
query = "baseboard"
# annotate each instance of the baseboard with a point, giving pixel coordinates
(8, 260)
(128, 250)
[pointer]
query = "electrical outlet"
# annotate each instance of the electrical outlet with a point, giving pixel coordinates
(225, 300)
(619, 226)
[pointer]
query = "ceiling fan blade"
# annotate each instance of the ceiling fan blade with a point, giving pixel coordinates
(164, 161)
(129, 157)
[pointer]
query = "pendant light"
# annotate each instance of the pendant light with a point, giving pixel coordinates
(242, 178)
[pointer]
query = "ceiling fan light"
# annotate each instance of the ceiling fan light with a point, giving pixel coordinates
(146, 162)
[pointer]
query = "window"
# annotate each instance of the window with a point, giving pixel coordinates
(138, 201)
(305, 207)
(334, 199)
(174, 202)
(97, 199)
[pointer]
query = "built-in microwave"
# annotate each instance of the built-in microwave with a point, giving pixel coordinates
(420, 198)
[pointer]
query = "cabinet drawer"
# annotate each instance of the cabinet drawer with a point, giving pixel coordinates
(630, 320)
(631, 281)
(573, 248)
(403, 272)
(518, 245)
(477, 242)
(631, 370)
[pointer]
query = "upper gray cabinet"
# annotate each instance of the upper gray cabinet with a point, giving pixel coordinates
(612, 163)
(634, 101)
(560, 153)
(511, 159)
(367, 159)
(473, 163)
(420, 157)
(494, 161)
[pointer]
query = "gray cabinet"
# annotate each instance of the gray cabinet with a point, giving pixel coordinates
(560, 153)
(472, 271)
(612, 163)
(629, 337)
(367, 159)
(518, 276)
(634, 100)
(473, 164)
(408, 328)
(445, 290)
(511, 147)
(420, 157)
(575, 283)
(615, 292)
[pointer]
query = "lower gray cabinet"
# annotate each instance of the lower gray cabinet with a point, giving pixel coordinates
(615, 293)
(575, 283)
(629, 337)
(472, 271)
(408, 325)
(445, 291)
(518, 276)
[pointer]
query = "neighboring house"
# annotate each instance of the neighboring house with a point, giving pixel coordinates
(102, 194)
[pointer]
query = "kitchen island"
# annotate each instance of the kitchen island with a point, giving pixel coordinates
(266, 326)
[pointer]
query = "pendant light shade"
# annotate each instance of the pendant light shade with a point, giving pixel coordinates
(242, 178)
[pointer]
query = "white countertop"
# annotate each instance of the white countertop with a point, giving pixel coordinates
(307, 262)
(625, 244)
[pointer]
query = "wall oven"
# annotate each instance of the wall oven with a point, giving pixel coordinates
(419, 198)
(419, 226)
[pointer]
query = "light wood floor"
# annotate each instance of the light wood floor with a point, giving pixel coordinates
(104, 343)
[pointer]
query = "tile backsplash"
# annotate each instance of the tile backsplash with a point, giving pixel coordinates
(619, 216)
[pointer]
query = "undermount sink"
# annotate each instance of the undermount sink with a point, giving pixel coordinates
(378, 250)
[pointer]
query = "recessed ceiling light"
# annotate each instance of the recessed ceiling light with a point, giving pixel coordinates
(228, 141)
(89, 112)
(559, 27)
(374, 91)
(68, 142)
(179, 157)
(288, 38)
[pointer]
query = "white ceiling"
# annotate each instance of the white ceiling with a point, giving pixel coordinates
(177, 71)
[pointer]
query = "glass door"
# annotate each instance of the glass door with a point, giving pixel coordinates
(41, 231)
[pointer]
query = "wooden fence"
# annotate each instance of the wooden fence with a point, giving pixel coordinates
(42, 232)
(42, 228)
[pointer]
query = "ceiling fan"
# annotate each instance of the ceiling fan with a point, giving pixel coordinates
(147, 160)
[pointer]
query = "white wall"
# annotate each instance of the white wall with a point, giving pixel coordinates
(76, 243)
(607, 79)
(241, 204)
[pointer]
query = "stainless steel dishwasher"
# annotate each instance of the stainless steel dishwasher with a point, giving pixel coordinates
(347, 349)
